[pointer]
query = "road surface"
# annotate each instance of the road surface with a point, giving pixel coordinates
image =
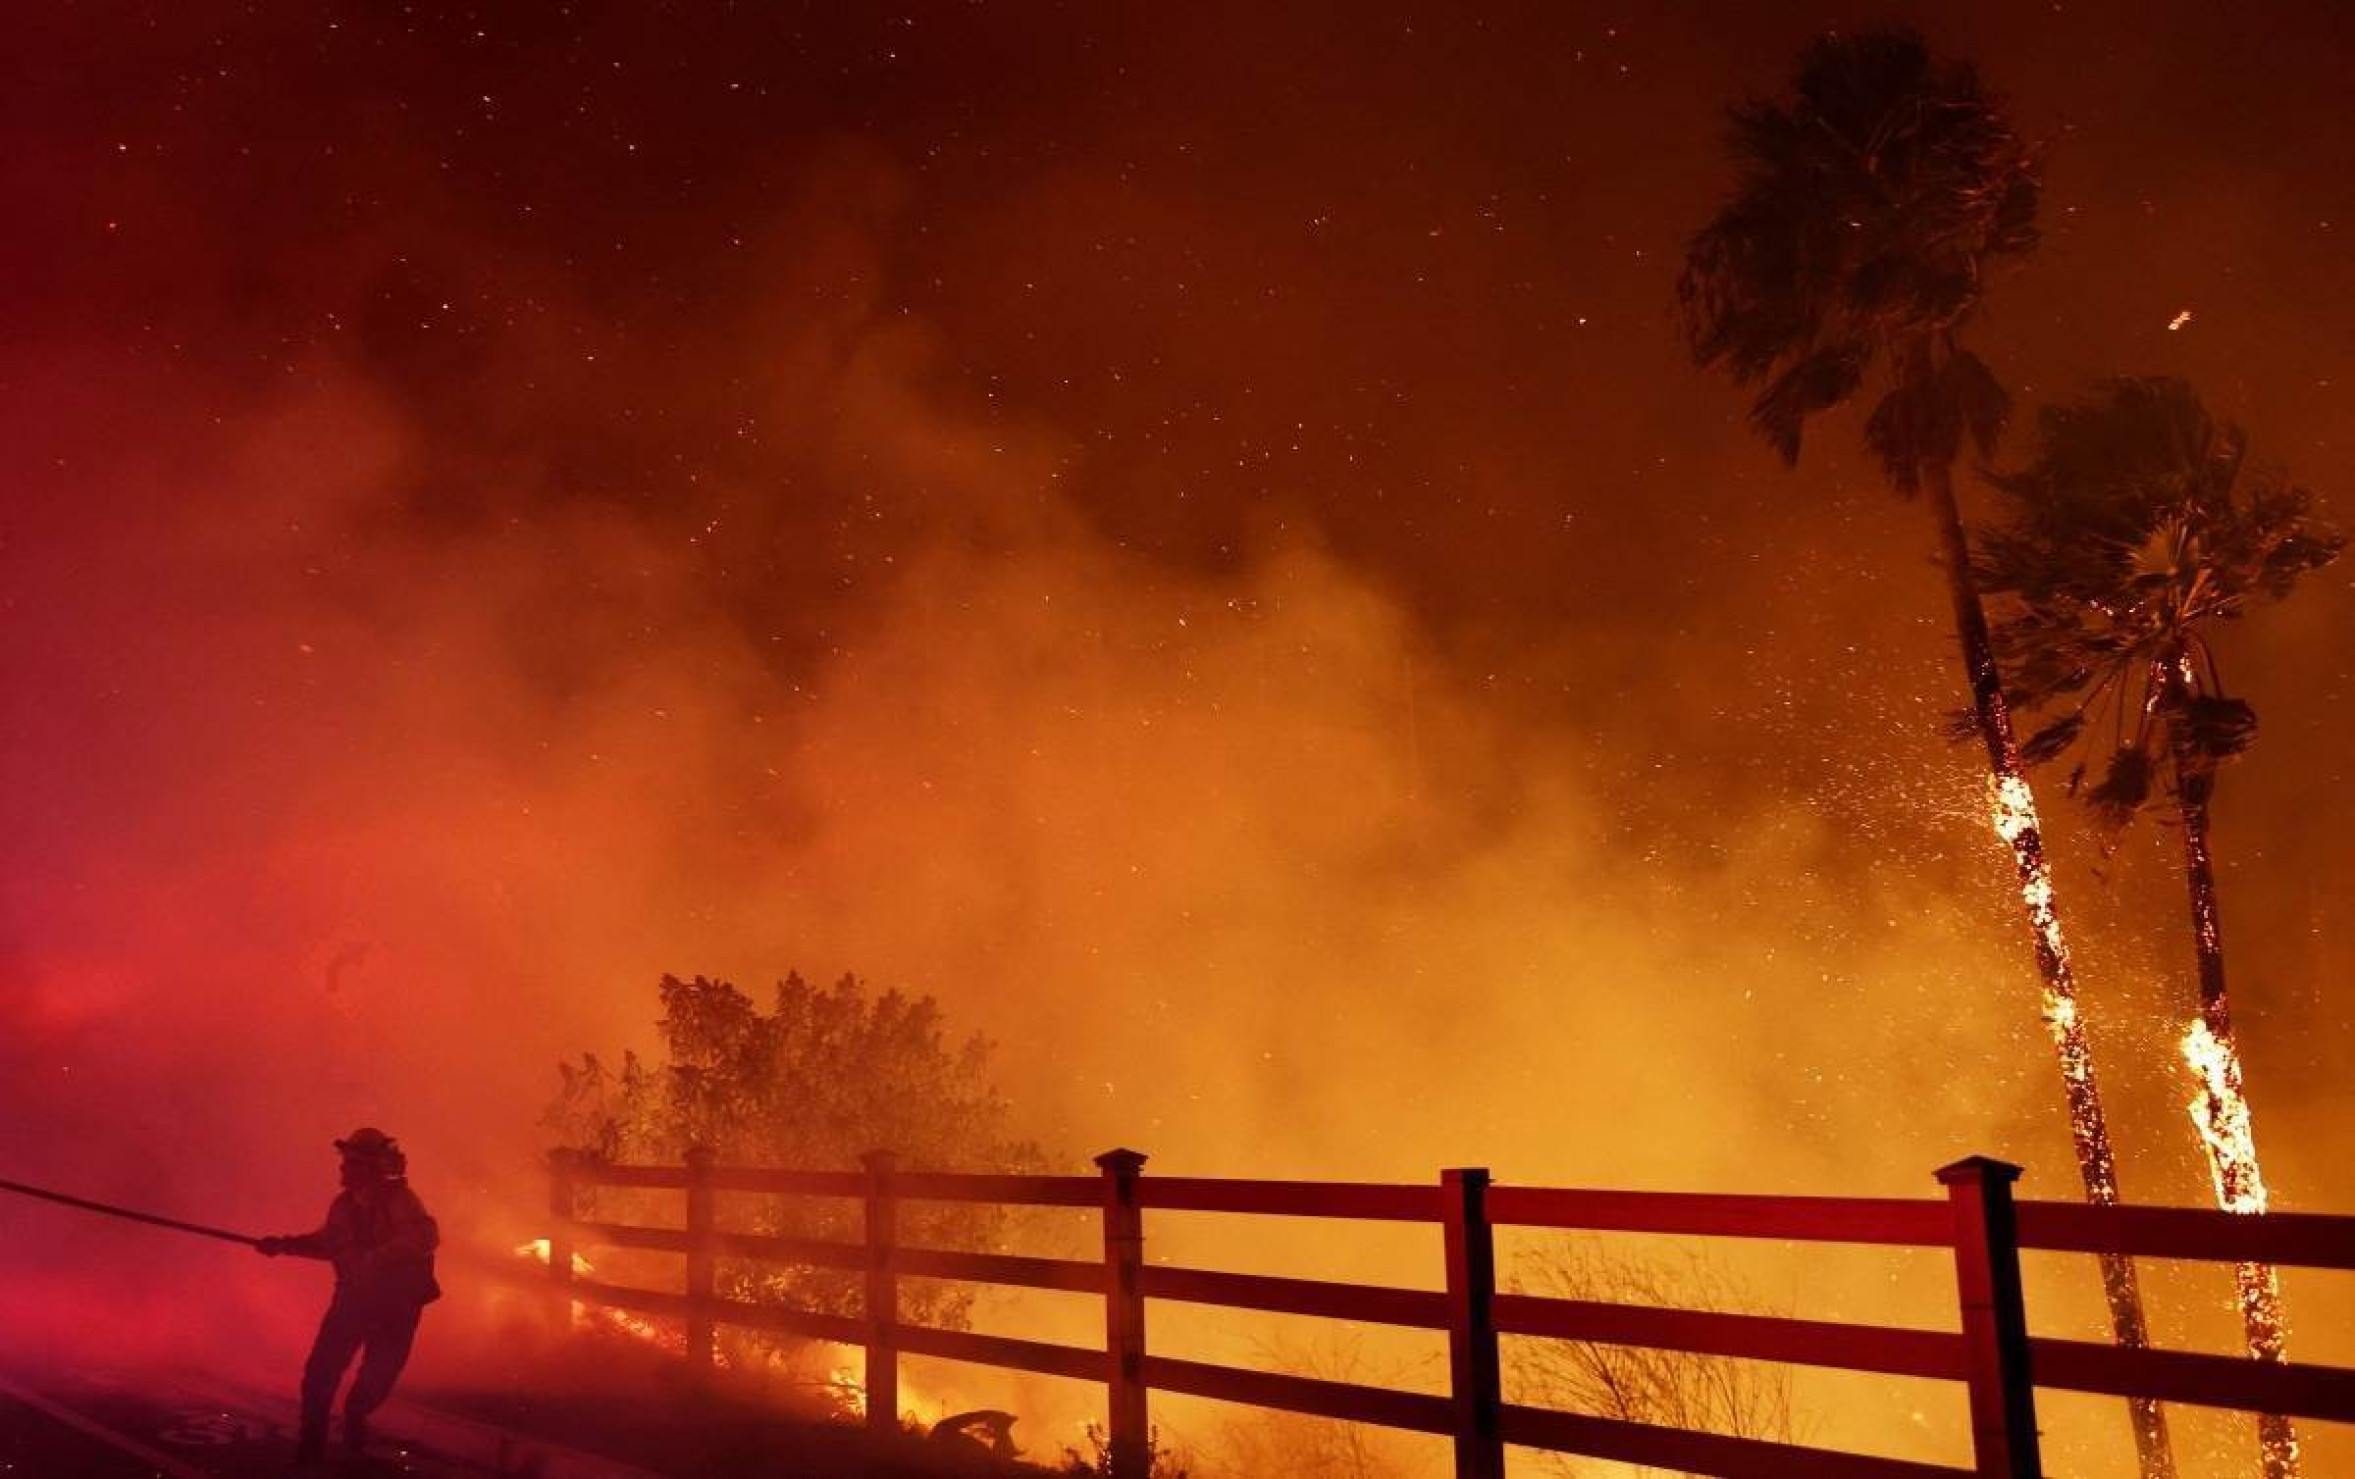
(90, 1424)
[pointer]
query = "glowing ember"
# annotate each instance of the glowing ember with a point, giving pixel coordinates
(2012, 811)
(2221, 1114)
(539, 1249)
(846, 1383)
(598, 1317)
(2014, 807)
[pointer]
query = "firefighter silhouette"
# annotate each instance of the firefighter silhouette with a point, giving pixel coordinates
(381, 1240)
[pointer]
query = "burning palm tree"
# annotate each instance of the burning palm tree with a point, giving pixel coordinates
(2138, 527)
(1872, 202)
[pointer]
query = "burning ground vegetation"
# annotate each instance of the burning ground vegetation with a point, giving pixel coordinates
(734, 1077)
(725, 1078)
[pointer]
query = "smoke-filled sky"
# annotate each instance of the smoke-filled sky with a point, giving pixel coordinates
(1185, 532)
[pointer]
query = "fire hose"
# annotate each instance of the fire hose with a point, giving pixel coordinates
(127, 1213)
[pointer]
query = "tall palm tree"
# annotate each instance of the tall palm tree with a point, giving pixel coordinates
(1872, 201)
(2138, 527)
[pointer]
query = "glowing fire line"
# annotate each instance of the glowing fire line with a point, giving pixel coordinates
(844, 1383)
(2013, 808)
(587, 1316)
(2012, 811)
(2220, 1112)
(2222, 1117)
(2220, 1109)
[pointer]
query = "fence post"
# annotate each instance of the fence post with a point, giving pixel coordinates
(561, 1211)
(699, 1259)
(1474, 1379)
(1994, 1318)
(1130, 1436)
(882, 1304)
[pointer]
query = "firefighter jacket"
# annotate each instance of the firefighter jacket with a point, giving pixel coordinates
(381, 1242)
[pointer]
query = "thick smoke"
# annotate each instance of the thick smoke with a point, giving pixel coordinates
(379, 727)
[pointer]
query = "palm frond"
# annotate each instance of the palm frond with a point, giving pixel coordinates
(1907, 429)
(2124, 787)
(2215, 728)
(1980, 402)
(1814, 383)
(2137, 522)
(1871, 198)
(2053, 740)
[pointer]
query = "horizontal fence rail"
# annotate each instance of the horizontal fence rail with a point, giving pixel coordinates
(1890, 1351)
(2296, 1239)
(1916, 1224)
(1978, 1223)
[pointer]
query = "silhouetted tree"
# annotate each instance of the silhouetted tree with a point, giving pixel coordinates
(1872, 202)
(2138, 528)
(823, 1076)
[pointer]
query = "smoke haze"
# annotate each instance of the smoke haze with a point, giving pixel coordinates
(1211, 567)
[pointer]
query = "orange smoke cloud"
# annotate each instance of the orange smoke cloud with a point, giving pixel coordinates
(1517, 777)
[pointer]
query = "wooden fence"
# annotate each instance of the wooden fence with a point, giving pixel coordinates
(1992, 1355)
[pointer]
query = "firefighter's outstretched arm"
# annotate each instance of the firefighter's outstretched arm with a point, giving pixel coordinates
(325, 1243)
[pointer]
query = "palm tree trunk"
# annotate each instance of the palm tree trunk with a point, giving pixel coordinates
(2221, 1114)
(2013, 808)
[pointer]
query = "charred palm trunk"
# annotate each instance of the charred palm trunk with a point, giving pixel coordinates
(2222, 1114)
(2013, 808)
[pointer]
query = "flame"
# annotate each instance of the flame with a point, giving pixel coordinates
(2015, 819)
(599, 1317)
(2220, 1112)
(540, 1250)
(845, 1381)
(845, 1385)
(2012, 808)
(2012, 811)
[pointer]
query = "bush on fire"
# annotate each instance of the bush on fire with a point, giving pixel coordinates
(822, 1077)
